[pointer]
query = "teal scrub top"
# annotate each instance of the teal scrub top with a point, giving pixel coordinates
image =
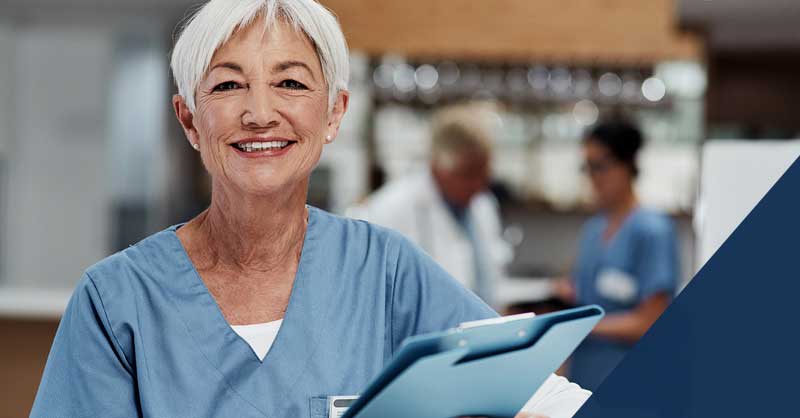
(143, 337)
(639, 261)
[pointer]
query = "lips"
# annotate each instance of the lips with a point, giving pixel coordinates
(263, 146)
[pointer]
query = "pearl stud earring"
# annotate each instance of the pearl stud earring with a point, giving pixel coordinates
(328, 139)
(196, 146)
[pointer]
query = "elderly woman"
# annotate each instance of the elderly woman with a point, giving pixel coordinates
(260, 306)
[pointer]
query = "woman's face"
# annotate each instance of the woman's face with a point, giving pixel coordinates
(262, 113)
(611, 180)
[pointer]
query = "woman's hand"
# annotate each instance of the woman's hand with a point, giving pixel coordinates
(564, 289)
(631, 325)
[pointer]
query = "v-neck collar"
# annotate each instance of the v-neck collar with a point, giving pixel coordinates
(606, 244)
(256, 381)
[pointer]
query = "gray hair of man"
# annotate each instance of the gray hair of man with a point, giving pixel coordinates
(214, 23)
(460, 130)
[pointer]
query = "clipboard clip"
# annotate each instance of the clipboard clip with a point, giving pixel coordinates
(494, 321)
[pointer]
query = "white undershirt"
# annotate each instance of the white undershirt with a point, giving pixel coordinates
(259, 336)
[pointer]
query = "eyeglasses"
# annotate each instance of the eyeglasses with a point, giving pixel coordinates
(596, 167)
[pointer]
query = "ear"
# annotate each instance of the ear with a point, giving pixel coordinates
(337, 113)
(186, 119)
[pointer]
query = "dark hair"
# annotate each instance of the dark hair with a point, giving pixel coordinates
(622, 138)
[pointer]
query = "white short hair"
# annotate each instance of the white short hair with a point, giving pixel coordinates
(215, 22)
(461, 129)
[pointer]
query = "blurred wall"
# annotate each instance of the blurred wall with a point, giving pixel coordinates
(6, 93)
(54, 162)
(83, 161)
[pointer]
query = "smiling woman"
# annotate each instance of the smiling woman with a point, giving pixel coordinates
(263, 110)
(261, 306)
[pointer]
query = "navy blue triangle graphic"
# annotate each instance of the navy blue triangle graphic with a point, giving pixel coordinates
(729, 345)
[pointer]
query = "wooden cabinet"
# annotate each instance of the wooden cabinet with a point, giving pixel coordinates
(595, 31)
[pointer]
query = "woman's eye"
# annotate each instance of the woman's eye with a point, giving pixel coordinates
(228, 85)
(292, 84)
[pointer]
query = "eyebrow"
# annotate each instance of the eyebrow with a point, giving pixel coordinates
(229, 65)
(279, 67)
(285, 65)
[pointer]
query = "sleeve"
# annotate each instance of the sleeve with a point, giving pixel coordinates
(87, 373)
(425, 298)
(658, 260)
(557, 398)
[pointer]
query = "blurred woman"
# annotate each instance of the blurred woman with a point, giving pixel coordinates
(627, 259)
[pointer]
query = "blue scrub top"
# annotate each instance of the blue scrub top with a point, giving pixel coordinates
(639, 261)
(142, 336)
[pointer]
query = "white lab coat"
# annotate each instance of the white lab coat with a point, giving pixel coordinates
(414, 207)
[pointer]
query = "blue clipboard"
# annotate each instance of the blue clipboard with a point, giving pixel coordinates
(485, 368)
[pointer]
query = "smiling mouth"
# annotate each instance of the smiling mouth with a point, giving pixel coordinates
(262, 146)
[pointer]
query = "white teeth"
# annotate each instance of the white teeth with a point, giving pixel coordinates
(258, 146)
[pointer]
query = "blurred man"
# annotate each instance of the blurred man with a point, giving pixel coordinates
(447, 209)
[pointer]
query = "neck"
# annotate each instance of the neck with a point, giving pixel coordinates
(623, 207)
(252, 233)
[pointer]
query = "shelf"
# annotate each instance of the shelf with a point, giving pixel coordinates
(30, 303)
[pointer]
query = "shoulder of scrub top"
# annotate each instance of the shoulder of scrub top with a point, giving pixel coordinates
(653, 223)
(158, 254)
(424, 297)
(594, 225)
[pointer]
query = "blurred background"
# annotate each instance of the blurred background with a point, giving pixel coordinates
(92, 160)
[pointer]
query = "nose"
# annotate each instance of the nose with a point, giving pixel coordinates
(259, 110)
